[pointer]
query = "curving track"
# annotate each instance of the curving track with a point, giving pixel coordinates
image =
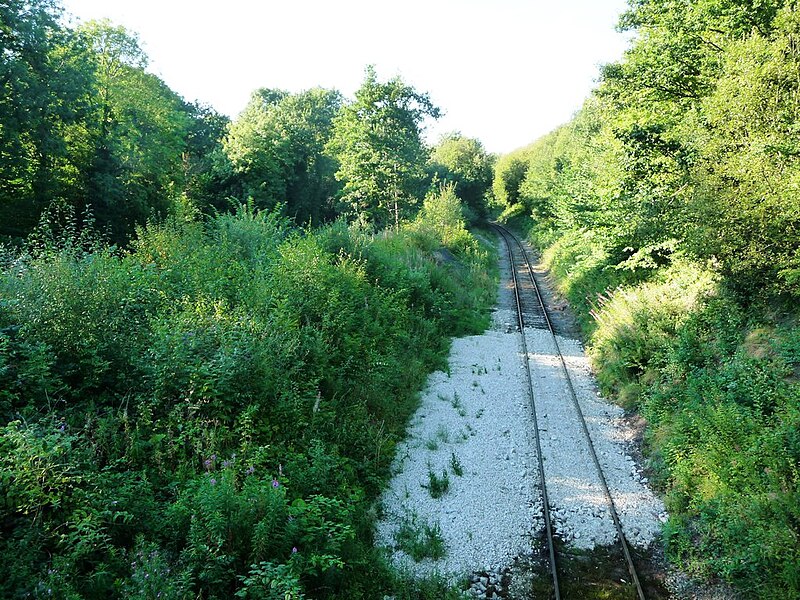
(532, 314)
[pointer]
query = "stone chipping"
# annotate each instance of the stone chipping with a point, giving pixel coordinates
(479, 412)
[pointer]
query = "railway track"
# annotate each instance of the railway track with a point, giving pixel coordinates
(532, 314)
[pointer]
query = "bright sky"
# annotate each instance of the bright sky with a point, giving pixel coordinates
(503, 71)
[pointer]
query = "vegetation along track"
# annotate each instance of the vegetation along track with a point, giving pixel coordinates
(532, 313)
(465, 496)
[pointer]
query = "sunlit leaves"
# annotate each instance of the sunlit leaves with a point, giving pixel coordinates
(377, 141)
(276, 148)
(464, 162)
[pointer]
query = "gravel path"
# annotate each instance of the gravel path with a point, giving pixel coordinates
(478, 413)
(477, 416)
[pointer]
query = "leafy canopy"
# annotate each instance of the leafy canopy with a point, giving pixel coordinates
(377, 141)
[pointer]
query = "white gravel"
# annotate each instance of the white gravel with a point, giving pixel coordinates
(480, 413)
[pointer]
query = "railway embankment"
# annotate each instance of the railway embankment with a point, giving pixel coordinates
(710, 376)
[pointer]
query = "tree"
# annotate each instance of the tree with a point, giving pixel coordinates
(509, 173)
(747, 211)
(82, 124)
(680, 47)
(207, 172)
(464, 162)
(44, 91)
(377, 140)
(138, 134)
(276, 148)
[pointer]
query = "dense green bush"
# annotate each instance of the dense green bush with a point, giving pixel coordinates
(725, 419)
(636, 327)
(212, 412)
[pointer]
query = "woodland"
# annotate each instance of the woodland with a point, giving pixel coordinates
(668, 210)
(213, 331)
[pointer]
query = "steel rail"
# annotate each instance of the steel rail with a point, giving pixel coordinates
(545, 501)
(506, 234)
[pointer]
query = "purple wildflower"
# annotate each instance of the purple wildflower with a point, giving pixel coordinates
(276, 483)
(250, 470)
(294, 549)
(213, 481)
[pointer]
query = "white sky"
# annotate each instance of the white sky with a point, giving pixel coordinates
(503, 71)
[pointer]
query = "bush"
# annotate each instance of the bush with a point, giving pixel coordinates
(443, 213)
(212, 412)
(725, 424)
(636, 327)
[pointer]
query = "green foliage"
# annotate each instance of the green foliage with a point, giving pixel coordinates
(509, 173)
(152, 575)
(377, 141)
(666, 210)
(268, 581)
(636, 326)
(419, 539)
(207, 170)
(437, 486)
(434, 587)
(82, 124)
(138, 130)
(669, 159)
(455, 465)
(748, 166)
(276, 150)
(718, 388)
(213, 411)
(45, 98)
(464, 162)
(442, 212)
(208, 409)
(728, 442)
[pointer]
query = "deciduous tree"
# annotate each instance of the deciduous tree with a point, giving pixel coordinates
(464, 161)
(276, 148)
(377, 140)
(138, 134)
(44, 82)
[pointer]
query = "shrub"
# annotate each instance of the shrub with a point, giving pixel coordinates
(212, 412)
(636, 327)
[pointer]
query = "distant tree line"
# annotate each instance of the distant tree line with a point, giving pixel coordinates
(86, 130)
